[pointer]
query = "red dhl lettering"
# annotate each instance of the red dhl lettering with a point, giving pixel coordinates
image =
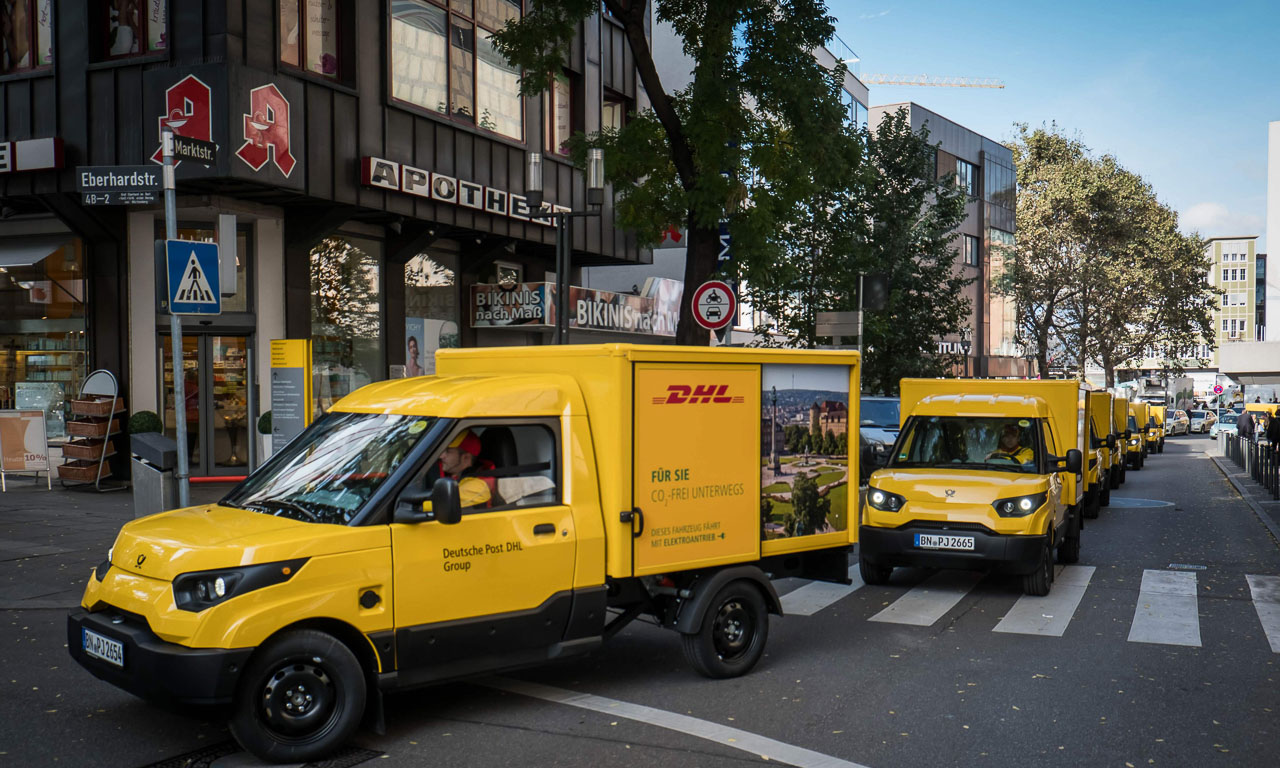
(682, 394)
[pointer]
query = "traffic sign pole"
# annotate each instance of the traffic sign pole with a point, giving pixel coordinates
(175, 328)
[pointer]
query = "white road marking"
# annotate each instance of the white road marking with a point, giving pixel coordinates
(1266, 601)
(1167, 612)
(702, 729)
(815, 596)
(1049, 615)
(931, 599)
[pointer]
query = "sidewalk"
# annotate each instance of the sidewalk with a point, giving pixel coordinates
(1257, 497)
(51, 540)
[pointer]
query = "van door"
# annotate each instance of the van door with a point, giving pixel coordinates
(499, 582)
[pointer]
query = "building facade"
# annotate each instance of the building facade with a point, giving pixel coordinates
(984, 168)
(371, 156)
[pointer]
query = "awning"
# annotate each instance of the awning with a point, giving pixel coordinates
(30, 251)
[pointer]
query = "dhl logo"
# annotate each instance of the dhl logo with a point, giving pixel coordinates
(679, 394)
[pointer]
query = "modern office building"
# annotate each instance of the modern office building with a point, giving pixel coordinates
(371, 157)
(984, 168)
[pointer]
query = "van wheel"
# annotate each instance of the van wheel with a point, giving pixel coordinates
(1038, 581)
(300, 698)
(1105, 499)
(733, 633)
(1161, 450)
(875, 575)
(1116, 478)
(1091, 510)
(1069, 547)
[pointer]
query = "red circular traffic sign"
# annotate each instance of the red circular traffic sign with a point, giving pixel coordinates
(1217, 389)
(714, 304)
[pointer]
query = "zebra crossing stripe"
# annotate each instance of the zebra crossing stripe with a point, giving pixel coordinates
(931, 599)
(1266, 601)
(1168, 611)
(1049, 615)
(816, 595)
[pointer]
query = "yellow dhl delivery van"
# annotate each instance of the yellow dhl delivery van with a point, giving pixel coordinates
(1139, 423)
(1101, 443)
(985, 474)
(522, 505)
(1120, 417)
(1157, 421)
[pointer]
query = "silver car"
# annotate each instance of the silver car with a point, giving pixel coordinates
(1202, 421)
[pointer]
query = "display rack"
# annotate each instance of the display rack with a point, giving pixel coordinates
(95, 420)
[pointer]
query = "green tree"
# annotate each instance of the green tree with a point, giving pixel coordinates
(842, 444)
(766, 517)
(830, 446)
(810, 509)
(761, 121)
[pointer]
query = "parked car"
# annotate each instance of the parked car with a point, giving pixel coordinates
(1177, 423)
(1202, 421)
(1227, 423)
(878, 430)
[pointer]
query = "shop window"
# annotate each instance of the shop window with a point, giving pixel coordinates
(311, 36)
(559, 113)
(43, 357)
(443, 59)
(26, 35)
(346, 317)
(135, 28)
(431, 319)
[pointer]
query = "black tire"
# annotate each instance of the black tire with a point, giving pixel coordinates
(1124, 474)
(1161, 448)
(1095, 504)
(1115, 478)
(1069, 547)
(1038, 582)
(732, 634)
(875, 575)
(1105, 500)
(312, 671)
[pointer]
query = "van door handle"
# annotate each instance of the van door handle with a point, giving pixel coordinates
(542, 528)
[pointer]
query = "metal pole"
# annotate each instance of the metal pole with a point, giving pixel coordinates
(562, 278)
(862, 328)
(175, 328)
(251, 406)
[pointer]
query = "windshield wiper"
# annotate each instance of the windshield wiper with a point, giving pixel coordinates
(310, 516)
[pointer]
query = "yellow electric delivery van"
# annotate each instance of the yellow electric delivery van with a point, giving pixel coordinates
(1139, 426)
(986, 474)
(1120, 417)
(1157, 421)
(1101, 443)
(522, 505)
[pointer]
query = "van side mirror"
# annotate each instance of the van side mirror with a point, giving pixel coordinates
(1128, 433)
(1111, 442)
(446, 503)
(1075, 460)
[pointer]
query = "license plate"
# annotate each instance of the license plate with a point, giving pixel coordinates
(99, 647)
(933, 541)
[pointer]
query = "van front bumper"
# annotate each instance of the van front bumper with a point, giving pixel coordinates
(991, 551)
(154, 669)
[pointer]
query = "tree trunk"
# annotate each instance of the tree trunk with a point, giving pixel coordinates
(699, 263)
(1110, 369)
(1042, 351)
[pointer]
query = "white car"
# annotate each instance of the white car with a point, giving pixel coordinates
(1202, 421)
(1225, 424)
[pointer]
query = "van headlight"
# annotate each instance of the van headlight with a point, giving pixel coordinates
(1134, 441)
(884, 501)
(199, 590)
(1020, 506)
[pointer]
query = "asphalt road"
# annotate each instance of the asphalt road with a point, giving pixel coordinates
(835, 685)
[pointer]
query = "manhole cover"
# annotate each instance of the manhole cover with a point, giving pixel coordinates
(228, 753)
(1123, 503)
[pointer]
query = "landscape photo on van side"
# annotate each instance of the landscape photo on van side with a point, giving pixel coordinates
(804, 450)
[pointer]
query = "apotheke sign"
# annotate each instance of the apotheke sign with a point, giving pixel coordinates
(397, 177)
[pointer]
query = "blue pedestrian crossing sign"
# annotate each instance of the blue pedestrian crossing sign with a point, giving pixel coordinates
(193, 278)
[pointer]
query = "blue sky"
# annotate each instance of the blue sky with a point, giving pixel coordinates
(1180, 92)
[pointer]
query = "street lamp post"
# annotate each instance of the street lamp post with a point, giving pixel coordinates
(564, 234)
(966, 344)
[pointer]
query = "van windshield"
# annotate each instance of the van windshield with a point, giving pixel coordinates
(329, 471)
(967, 442)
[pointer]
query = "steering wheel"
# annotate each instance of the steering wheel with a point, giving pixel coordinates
(310, 516)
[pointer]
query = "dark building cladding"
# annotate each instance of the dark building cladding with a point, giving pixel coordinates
(300, 98)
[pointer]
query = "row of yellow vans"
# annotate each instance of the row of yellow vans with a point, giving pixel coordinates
(525, 504)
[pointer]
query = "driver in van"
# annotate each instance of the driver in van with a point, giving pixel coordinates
(461, 461)
(1011, 447)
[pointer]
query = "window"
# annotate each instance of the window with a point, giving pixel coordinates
(431, 315)
(559, 116)
(1225, 272)
(443, 59)
(26, 35)
(346, 317)
(136, 27)
(613, 113)
(515, 465)
(970, 250)
(309, 36)
(1224, 325)
(967, 177)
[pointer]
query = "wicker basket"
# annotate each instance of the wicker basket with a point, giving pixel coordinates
(93, 428)
(83, 471)
(95, 406)
(86, 449)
